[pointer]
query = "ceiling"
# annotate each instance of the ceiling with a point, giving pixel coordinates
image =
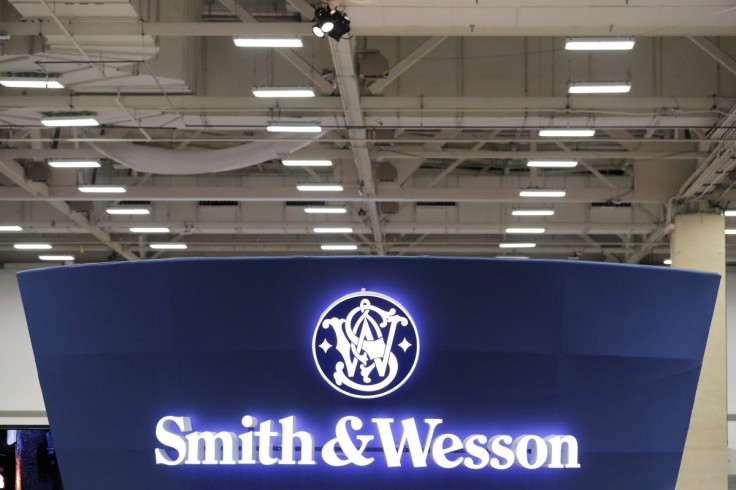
(431, 155)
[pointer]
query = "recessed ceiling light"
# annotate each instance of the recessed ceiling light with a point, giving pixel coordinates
(328, 247)
(307, 163)
(69, 121)
(293, 128)
(533, 212)
(567, 133)
(730, 232)
(105, 189)
(74, 164)
(168, 246)
(599, 88)
(128, 211)
(11, 228)
(270, 92)
(517, 245)
(30, 82)
(57, 258)
(268, 42)
(729, 213)
(552, 163)
(528, 231)
(326, 210)
(667, 262)
(333, 230)
(542, 193)
(320, 188)
(512, 256)
(150, 230)
(599, 43)
(32, 246)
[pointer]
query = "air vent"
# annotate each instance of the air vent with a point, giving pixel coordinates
(134, 203)
(218, 203)
(611, 204)
(438, 203)
(305, 203)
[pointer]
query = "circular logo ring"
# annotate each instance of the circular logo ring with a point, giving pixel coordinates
(365, 345)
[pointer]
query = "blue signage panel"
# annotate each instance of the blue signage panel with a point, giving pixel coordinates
(364, 373)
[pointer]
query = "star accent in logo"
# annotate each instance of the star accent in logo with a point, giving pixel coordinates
(405, 344)
(325, 346)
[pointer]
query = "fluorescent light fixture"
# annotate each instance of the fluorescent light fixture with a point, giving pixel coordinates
(268, 42)
(667, 262)
(512, 256)
(30, 82)
(730, 232)
(599, 43)
(319, 188)
(533, 212)
(517, 245)
(74, 164)
(729, 213)
(105, 189)
(542, 193)
(129, 211)
(552, 163)
(32, 246)
(295, 128)
(333, 230)
(307, 163)
(326, 210)
(150, 230)
(529, 231)
(328, 247)
(567, 132)
(168, 246)
(69, 121)
(57, 258)
(11, 228)
(268, 92)
(599, 88)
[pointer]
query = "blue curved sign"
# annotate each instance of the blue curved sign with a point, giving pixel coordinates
(364, 373)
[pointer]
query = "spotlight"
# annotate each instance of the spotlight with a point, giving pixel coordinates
(333, 23)
(341, 25)
(324, 22)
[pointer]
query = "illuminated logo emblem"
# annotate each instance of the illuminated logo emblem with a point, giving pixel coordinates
(365, 345)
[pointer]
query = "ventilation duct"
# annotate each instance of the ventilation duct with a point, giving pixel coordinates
(156, 160)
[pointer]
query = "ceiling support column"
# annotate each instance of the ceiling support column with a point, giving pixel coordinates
(699, 243)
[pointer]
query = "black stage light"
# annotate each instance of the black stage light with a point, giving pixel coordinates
(341, 25)
(324, 21)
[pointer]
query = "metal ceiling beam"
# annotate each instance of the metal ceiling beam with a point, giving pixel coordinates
(717, 166)
(224, 29)
(39, 191)
(419, 104)
(384, 193)
(715, 52)
(304, 8)
(301, 228)
(404, 152)
(234, 8)
(651, 242)
(407, 62)
(347, 81)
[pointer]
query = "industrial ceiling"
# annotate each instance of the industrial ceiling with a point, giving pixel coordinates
(429, 112)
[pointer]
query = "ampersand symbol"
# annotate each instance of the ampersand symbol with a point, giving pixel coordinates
(353, 454)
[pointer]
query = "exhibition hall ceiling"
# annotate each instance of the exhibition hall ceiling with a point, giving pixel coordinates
(430, 128)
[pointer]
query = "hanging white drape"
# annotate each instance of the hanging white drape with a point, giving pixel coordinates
(155, 160)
